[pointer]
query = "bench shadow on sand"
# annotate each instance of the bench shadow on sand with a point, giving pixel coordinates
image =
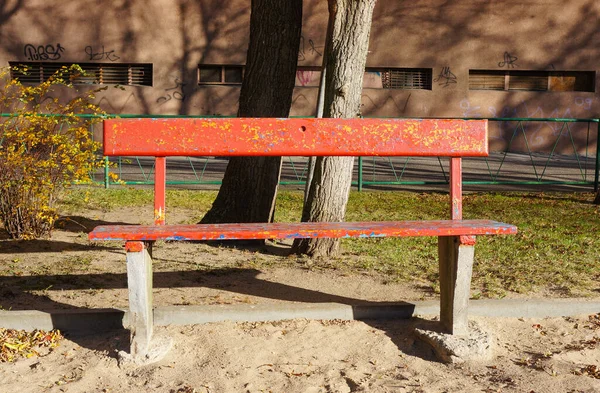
(19, 293)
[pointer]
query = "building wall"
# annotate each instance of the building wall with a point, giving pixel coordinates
(448, 36)
(481, 34)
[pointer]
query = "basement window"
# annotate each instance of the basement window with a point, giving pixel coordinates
(309, 76)
(220, 74)
(504, 80)
(375, 78)
(95, 73)
(404, 78)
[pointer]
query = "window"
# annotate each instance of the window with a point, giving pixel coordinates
(486, 80)
(405, 78)
(95, 73)
(309, 76)
(374, 78)
(220, 74)
(532, 80)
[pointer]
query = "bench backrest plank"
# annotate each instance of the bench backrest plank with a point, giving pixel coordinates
(161, 138)
(295, 137)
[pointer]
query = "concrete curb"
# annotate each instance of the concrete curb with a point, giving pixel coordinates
(68, 320)
(93, 320)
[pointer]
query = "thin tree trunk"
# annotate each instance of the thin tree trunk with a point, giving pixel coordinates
(320, 104)
(346, 59)
(249, 186)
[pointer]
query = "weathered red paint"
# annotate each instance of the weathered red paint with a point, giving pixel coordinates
(160, 192)
(301, 230)
(295, 137)
(134, 246)
(468, 240)
(456, 188)
(298, 137)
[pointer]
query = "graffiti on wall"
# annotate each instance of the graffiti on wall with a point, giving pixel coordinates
(101, 54)
(308, 47)
(585, 103)
(509, 61)
(311, 78)
(173, 93)
(389, 103)
(43, 52)
(306, 78)
(446, 78)
(469, 110)
(130, 104)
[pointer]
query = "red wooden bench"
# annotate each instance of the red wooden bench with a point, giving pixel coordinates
(299, 137)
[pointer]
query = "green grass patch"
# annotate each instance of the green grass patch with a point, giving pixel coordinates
(557, 248)
(96, 198)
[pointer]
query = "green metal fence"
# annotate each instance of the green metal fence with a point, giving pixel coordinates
(524, 152)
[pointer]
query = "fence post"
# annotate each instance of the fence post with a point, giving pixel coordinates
(597, 171)
(106, 177)
(360, 174)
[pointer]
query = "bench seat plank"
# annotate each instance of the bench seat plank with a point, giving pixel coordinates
(301, 230)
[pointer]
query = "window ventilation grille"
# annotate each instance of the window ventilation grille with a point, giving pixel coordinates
(95, 73)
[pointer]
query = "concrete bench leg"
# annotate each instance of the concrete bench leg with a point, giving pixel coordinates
(456, 267)
(139, 282)
(459, 341)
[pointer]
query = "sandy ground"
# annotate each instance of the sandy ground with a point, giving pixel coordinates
(320, 356)
(530, 355)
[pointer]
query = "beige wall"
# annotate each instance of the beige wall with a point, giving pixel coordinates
(177, 35)
(173, 35)
(475, 34)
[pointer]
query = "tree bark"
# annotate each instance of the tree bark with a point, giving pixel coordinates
(347, 48)
(320, 102)
(249, 186)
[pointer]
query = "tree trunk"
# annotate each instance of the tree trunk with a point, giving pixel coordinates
(310, 170)
(249, 186)
(347, 47)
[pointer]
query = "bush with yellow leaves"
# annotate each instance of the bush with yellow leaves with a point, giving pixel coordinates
(45, 146)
